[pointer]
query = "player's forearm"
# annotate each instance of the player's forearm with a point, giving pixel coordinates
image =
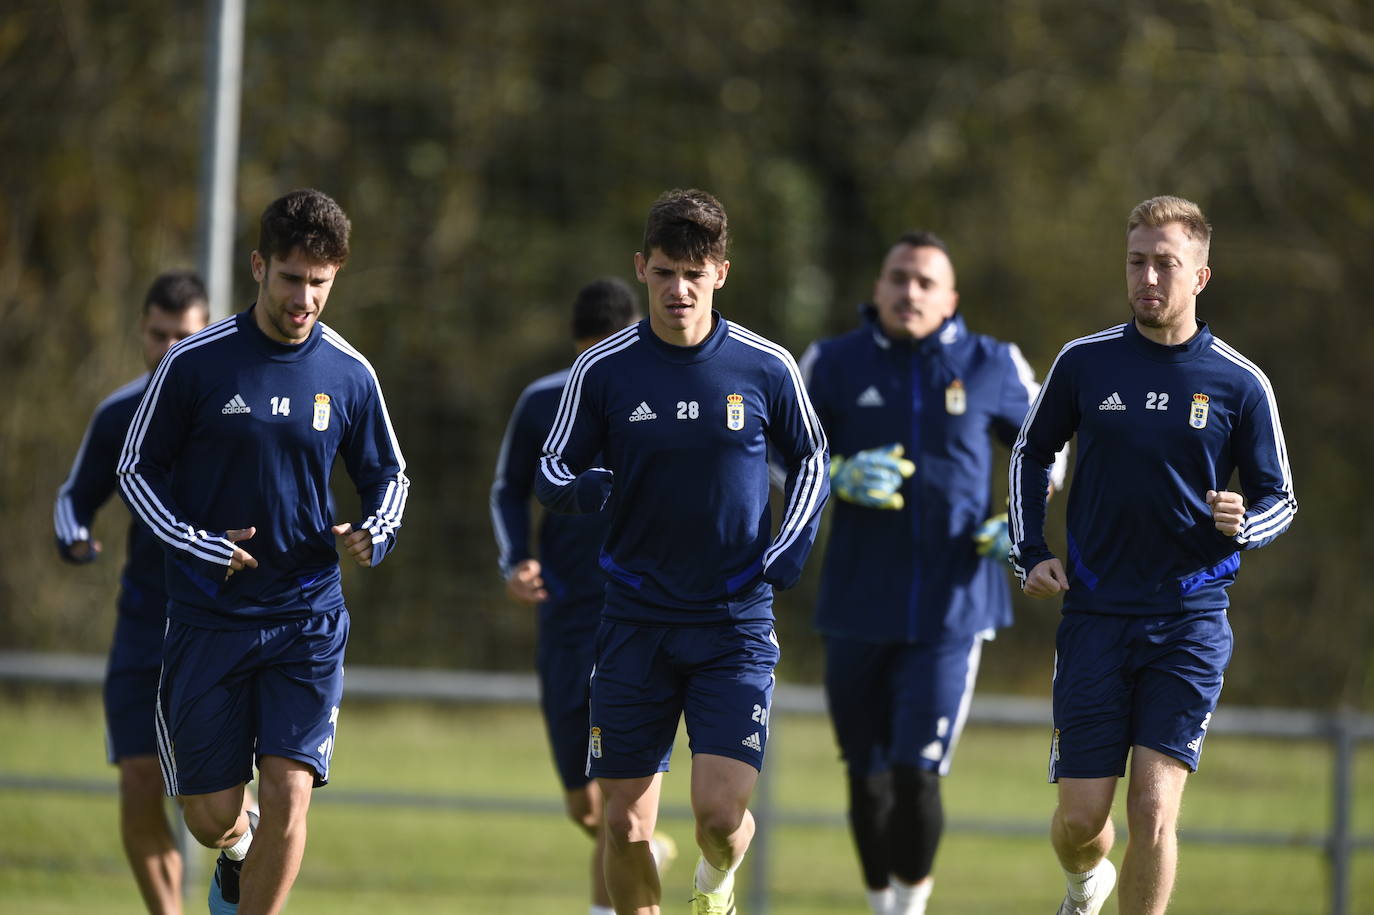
(1265, 519)
(808, 488)
(148, 495)
(385, 503)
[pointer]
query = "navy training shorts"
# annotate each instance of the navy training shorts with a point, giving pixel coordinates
(900, 703)
(1123, 681)
(130, 692)
(229, 697)
(566, 655)
(719, 677)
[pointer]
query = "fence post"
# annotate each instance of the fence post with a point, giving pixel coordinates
(1339, 844)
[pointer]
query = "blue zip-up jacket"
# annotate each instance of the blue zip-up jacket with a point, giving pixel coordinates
(569, 545)
(1157, 427)
(90, 484)
(237, 430)
(684, 432)
(914, 574)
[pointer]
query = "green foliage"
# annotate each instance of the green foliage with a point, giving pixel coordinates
(495, 157)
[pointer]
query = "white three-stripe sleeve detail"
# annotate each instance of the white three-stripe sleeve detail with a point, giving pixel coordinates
(1276, 518)
(551, 463)
(387, 517)
(1059, 470)
(806, 493)
(1016, 465)
(65, 523)
(498, 522)
(160, 520)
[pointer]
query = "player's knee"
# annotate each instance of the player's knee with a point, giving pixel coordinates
(625, 826)
(870, 792)
(916, 797)
(716, 823)
(212, 825)
(1150, 822)
(1080, 825)
(915, 787)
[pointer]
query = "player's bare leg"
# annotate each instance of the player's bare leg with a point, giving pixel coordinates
(147, 835)
(631, 813)
(270, 869)
(1082, 834)
(215, 820)
(584, 808)
(721, 788)
(1153, 799)
(218, 820)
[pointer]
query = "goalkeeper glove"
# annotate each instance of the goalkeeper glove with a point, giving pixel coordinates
(871, 478)
(992, 538)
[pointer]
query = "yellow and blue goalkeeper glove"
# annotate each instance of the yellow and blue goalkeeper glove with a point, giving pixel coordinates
(992, 537)
(871, 478)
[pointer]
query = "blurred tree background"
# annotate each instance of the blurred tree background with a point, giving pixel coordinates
(494, 157)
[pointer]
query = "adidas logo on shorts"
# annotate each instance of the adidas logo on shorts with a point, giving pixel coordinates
(753, 742)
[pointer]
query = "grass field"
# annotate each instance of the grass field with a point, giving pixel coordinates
(446, 845)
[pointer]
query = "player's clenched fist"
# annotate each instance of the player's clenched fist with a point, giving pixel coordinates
(1046, 580)
(357, 544)
(1228, 510)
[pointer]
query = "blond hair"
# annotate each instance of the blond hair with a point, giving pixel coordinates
(1158, 212)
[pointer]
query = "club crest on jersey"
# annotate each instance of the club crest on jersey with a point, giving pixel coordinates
(594, 745)
(1197, 416)
(321, 419)
(956, 398)
(734, 412)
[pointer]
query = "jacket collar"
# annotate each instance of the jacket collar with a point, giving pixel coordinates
(949, 333)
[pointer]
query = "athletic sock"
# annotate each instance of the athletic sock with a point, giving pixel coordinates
(239, 850)
(910, 899)
(709, 878)
(880, 901)
(1081, 886)
(601, 910)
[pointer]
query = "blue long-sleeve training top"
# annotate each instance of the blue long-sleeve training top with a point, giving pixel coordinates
(914, 574)
(90, 484)
(569, 545)
(236, 431)
(684, 433)
(1157, 427)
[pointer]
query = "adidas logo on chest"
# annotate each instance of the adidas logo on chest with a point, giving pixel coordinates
(1112, 403)
(643, 412)
(236, 405)
(871, 397)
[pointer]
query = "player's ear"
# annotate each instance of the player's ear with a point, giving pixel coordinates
(722, 268)
(259, 266)
(1204, 273)
(640, 264)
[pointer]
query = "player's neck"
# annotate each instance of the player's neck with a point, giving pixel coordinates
(691, 335)
(1173, 334)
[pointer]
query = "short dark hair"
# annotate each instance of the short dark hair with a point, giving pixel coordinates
(176, 291)
(922, 238)
(602, 307)
(306, 219)
(687, 225)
